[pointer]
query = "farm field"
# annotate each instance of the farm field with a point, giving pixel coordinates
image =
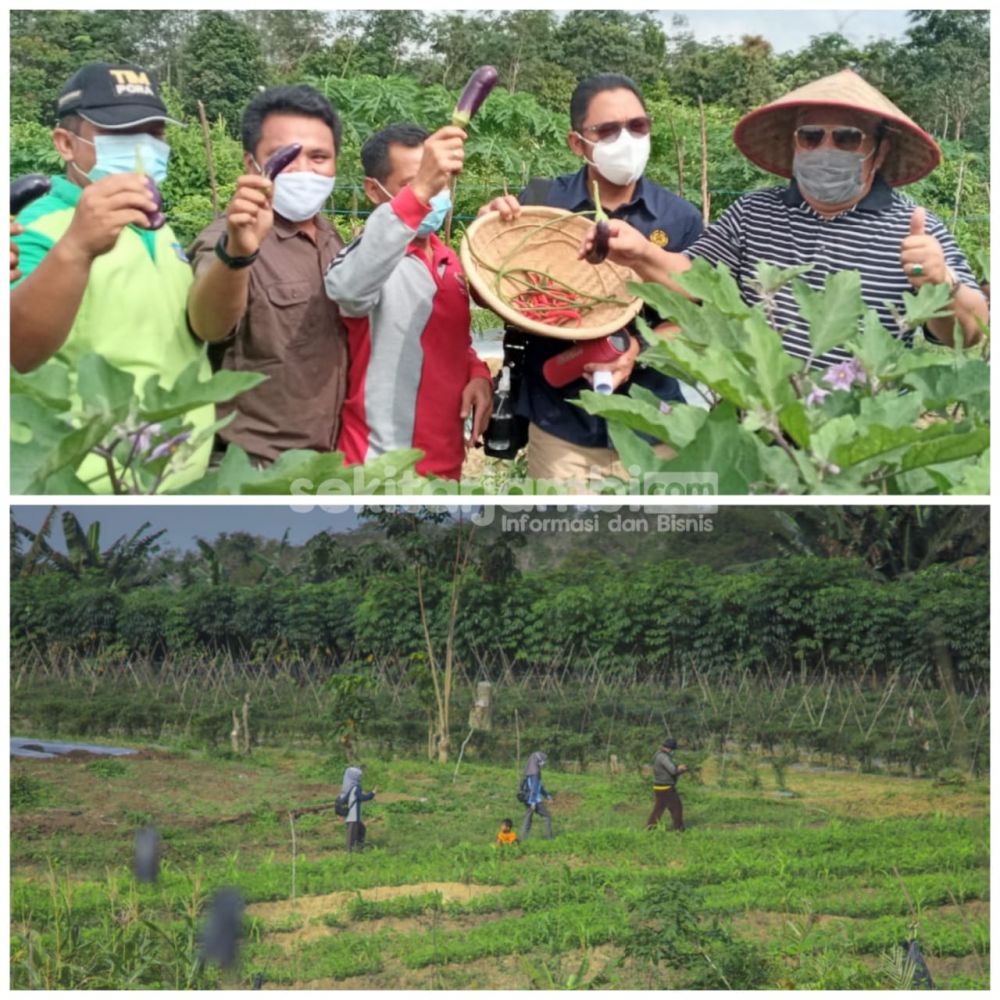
(798, 878)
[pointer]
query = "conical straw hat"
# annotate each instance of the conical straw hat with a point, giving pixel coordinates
(764, 136)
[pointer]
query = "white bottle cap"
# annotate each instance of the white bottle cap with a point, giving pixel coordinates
(603, 383)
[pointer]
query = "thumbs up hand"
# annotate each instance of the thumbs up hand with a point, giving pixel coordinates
(921, 255)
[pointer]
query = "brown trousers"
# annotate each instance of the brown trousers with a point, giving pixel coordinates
(666, 798)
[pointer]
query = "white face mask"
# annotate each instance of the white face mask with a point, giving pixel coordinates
(621, 161)
(300, 194)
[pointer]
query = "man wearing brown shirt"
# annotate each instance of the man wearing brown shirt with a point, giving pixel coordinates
(259, 281)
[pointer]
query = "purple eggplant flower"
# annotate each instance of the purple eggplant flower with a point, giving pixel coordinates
(816, 396)
(845, 375)
(144, 438)
(665, 407)
(169, 446)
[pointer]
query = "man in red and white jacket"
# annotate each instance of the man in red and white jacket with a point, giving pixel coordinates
(413, 376)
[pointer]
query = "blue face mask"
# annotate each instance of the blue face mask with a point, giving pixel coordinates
(434, 220)
(127, 154)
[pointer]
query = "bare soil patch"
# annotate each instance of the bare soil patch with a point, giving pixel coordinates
(314, 908)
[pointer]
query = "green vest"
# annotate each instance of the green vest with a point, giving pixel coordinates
(133, 313)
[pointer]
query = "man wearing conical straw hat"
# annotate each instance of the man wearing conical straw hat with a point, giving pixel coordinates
(846, 149)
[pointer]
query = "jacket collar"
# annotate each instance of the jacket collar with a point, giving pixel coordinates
(582, 197)
(284, 229)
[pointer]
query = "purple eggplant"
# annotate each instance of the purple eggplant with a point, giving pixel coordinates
(602, 233)
(27, 189)
(281, 159)
(156, 218)
(476, 91)
(602, 236)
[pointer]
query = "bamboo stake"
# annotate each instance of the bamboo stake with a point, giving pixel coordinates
(461, 751)
(291, 821)
(246, 723)
(517, 739)
(679, 149)
(209, 159)
(706, 198)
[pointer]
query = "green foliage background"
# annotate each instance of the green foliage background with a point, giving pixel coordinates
(869, 591)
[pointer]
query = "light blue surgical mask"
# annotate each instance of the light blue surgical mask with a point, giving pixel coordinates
(127, 154)
(434, 220)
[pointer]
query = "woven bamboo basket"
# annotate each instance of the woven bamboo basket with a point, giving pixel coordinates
(545, 240)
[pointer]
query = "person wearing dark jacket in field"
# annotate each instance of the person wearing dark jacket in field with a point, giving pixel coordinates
(350, 789)
(537, 795)
(665, 775)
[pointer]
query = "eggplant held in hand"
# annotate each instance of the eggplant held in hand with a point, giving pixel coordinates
(281, 159)
(602, 238)
(156, 218)
(476, 91)
(27, 189)
(602, 235)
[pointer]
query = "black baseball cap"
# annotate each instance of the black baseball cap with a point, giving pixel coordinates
(113, 95)
(670, 743)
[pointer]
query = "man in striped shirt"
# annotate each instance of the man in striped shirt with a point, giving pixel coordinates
(846, 148)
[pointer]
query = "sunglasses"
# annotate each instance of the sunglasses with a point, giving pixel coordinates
(844, 136)
(609, 131)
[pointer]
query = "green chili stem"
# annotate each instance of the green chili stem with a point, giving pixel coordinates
(583, 301)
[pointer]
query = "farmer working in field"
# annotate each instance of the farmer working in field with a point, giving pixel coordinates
(665, 775)
(846, 149)
(537, 795)
(95, 277)
(610, 133)
(259, 288)
(414, 375)
(350, 791)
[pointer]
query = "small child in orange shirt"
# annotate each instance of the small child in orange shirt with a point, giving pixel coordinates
(506, 834)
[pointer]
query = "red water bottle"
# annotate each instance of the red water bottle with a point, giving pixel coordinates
(561, 369)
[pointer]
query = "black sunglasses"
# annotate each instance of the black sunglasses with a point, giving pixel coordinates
(609, 131)
(844, 136)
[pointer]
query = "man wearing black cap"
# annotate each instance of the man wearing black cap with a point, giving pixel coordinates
(94, 277)
(665, 775)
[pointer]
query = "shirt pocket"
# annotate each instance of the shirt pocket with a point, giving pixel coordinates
(289, 302)
(276, 314)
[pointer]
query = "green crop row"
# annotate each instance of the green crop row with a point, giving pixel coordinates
(336, 956)
(940, 934)
(557, 929)
(361, 908)
(849, 897)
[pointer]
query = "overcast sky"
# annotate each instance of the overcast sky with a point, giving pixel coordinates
(184, 523)
(788, 30)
